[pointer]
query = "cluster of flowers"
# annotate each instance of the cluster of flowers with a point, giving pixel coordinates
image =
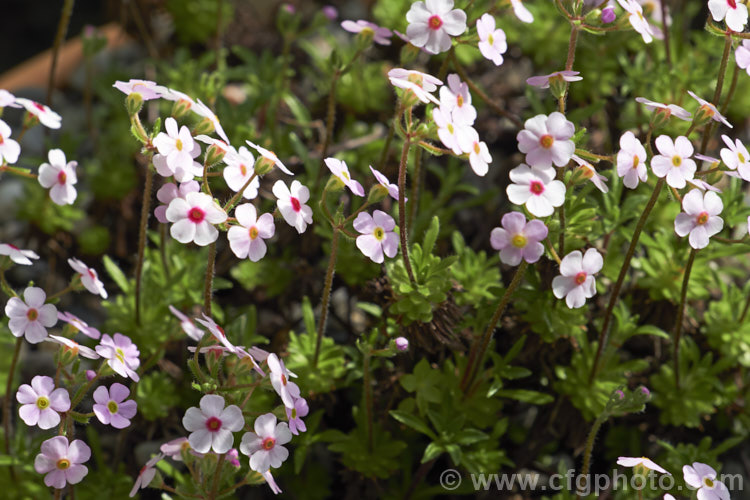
(699, 476)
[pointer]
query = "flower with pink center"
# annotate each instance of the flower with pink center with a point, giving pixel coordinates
(536, 188)
(543, 81)
(518, 240)
(62, 462)
(383, 181)
(376, 235)
(72, 346)
(201, 109)
(246, 239)
(521, 12)
(291, 203)
(239, 170)
(212, 425)
(456, 100)
(492, 43)
(734, 13)
(703, 477)
(187, 325)
(379, 35)
(31, 317)
(60, 176)
(41, 403)
(454, 136)
(7, 100)
(547, 140)
(294, 416)
(631, 161)
(174, 448)
(264, 446)
(420, 84)
(643, 462)
(269, 157)
(341, 171)
(17, 255)
(637, 21)
(736, 157)
(111, 408)
(169, 192)
(147, 89)
(146, 475)
(79, 325)
(479, 157)
(121, 355)
(46, 116)
(9, 149)
(587, 171)
(89, 279)
(709, 110)
(674, 160)
(700, 217)
(576, 281)
(178, 146)
(432, 23)
(669, 109)
(287, 390)
(194, 218)
(742, 55)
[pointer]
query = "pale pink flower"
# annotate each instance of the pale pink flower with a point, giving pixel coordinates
(330, 12)
(703, 185)
(174, 448)
(536, 188)
(454, 136)
(270, 157)
(522, 13)
(341, 171)
(264, 446)
(492, 42)
(17, 255)
(212, 425)
(194, 218)
(46, 116)
(631, 161)
(703, 477)
(376, 235)
(217, 332)
(8, 100)
(146, 475)
(291, 203)
(294, 416)
(240, 168)
(643, 461)
(62, 462)
(700, 217)
(432, 23)
(734, 13)
(169, 192)
(543, 81)
(111, 408)
(246, 239)
(589, 172)
(479, 157)
(187, 325)
(121, 355)
(79, 325)
(456, 100)
(31, 317)
(73, 346)
(547, 140)
(201, 109)
(41, 403)
(179, 97)
(576, 281)
(742, 55)
(89, 279)
(379, 35)
(383, 181)
(674, 160)
(635, 16)
(183, 173)
(178, 148)
(672, 109)
(9, 149)
(518, 240)
(736, 157)
(421, 84)
(60, 176)
(287, 390)
(710, 110)
(146, 88)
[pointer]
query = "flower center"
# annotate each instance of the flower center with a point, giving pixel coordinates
(62, 177)
(518, 241)
(253, 232)
(178, 144)
(702, 218)
(708, 110)
(676, 161)
(63, 464)
(636, 161)
(213, 424)
(2, 140)
(580, 278)
(587, 172)
(451, 129)
(732, 4)
(283, 379)
(740, 157)
(477, 149)
(707, 481)
(243, 169)
(112, 407)
(39, 106)
(295, 204)
(379, 233)
(491, 39)
(196, 215)
(268, 443)
(120, 355)
(32, 314)
(460, 101)
(434, 22)
(294, 413)
(546, 141)
(536, 187)
(42, 402)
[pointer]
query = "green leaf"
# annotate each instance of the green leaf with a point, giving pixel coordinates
(526, 396)
(116, 274)
(414, 422)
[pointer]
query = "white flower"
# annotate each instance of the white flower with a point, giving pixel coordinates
(734, 13)
(31, 316)
(536, 188)
(246, 240)
(264, 445)
(187, 324)
(340, 170)
(379, 35)
(9, 149)
(194, 217)
(674, 160)
(522, 13)
(178, 147)
(17, 255)
(710, 110)
(240, 168)
(212, 425)
(146, 88)
(46, 116)
(291, 203)
(479, 157)
(547, 140)
(89, 278)
(736, 157)
(270, 157)
(73, 346)
(631, 161)
(60, 176)
(671, 109)
(703, 477)
(376, 235)
(7, 100)
(492, 42)
(742, 55)
(637, 20)
(286, 389)
(432, 23)
(421, 84)
(700, 218)
(201, 109)
(454, 136)
(146, 475)
(456, 100)
(589, 172)
(576, 281)
(169, 192)
(643, 461)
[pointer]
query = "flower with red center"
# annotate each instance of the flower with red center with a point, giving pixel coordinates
(46, 116)
(169, 192)
(89, 278)
(703, 477)
(536, 188)
(246, 239)
(17, 255)
(700, 217)
(492, 43)
(240, 168)
(291, 203)
(60, 176)
(264, 446)
(631, 161)
(734, 13)
(146, 475)
(289, 391)
(674, 160)
(432, 23)
(212, 425)
(121, 355)
(9, 149)
(31, 317)
(518, 240)
(194, 218)
(377, 236)
(547, 140)
(41, 403)
(111, 408)
(576, 281)
(62, 462)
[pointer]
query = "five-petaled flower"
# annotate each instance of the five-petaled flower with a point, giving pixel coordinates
(23, 256)
(246, 239)
(169, 192)
(536, 188)
(286, 389)
(178, 148)
(492, 43)
(519, 240)
(111, 408)
(194, 218)
(31, 317)
(703, 477)
(264, 445)
(294, 416)
(212, 425)
(456, 100)
(631, 161)
(291, 203)
(46, 116)
(421, 84)
(637, 21)
(121, 354)
(700, 218)
(547, 140)
(432, 23)
(733, 12)
(376, 235)
(644, 462)
(543, 81)
(736, 157)
(379, 34)
(62, 462)
(576, 281)
(239, 170)
(60, 176)
(41, 403)
(147, 89)
(674, 160)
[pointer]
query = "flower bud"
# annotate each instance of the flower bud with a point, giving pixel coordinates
(90, 375)
(134, 103)
(205, 126)
(608, 15)
(402, 344)
(263, 165)
(377, 193)
(334, 184)
(214, 154)
(330, 12)
(181, 107)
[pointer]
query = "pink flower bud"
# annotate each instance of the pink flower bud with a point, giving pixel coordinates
(608, 15)
(402, 344)
(90, 374)
(330, 12)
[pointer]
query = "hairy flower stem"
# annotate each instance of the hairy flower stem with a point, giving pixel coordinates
(479, 347)
(680, 314)
(589, 447)
(732, 88)
(402, 207)
(572, 43)
(416, 181)
(62, 30)
(326, 295)
(368, 398)
(709, 130)
(145, 208)
(667, 51)
(7, 400)
(217, 476)
(208, 288)
(604, 333)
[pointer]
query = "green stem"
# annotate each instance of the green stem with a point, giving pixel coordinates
(208, 287)
(145, 208)
(745, 309)
(680, 314)
(62, 30)
(589, 447)
(732, 88)
(389, 137)
(7, 400)
(667, 51)
(604, 333)
(572, 43)
(217, 476)
(416, 181)
(234, 199)
(402, 207)
(326, 295)
(708, 132)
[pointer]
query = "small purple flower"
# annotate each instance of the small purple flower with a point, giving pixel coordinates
(31, 317)
(121, 354)
(293, 415)
(703, 477)
(518, 239)
(212, 425)
(402, 344)
(380, 35)
(620, 394)
(111, 407)
(700, 218)
(287, 390)
(41, 402)
(377, 236)
(90, 375)
(62, 462)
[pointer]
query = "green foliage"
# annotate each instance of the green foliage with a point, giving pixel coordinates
(156, 395)
(723, 328)
(269, 274)
(477, 274)
(196, 20)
